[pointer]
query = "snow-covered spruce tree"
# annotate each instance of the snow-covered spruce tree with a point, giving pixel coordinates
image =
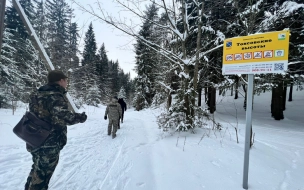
(58, 15)
(139, 101)
(122, 93)
(166, 79)
(187, 114)
(114, 70)
(39, 24)
(89, 81)
(73, 46)
(127, 84)
(279, 16)
(146, 59)
(197, 39)
(25, 57)
(102, 68)
(8, 68)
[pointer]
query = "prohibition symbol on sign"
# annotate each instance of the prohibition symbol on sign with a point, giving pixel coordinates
(257, 55)
(238, 56)
(248, 55)
(268, 54)
(229, 57)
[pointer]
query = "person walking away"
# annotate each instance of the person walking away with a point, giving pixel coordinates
(113, 111)
(50, 105)
(123, 107)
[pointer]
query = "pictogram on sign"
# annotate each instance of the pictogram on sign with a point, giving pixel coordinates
(268, 54)
(238, 56)
(279, 53)
(229, 57)
(248, 55)
(257, 55)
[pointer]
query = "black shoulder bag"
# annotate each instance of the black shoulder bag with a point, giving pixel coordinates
(32, 130)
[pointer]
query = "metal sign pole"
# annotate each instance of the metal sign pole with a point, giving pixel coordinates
(248, 55)
(36, 42)
(248, 129)
(2, 14)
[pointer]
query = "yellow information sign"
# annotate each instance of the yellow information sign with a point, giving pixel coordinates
(256, 54)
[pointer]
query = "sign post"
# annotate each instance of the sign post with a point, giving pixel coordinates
(254, 54)
(248, 129)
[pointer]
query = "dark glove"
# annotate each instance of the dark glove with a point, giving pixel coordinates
(105, 117)
(82, 117)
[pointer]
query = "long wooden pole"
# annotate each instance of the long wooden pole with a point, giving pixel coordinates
(36, 42)
(2, 14)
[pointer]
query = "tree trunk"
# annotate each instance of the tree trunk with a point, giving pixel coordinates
(277, 102)
(290, 93)
(231, 90)
(198, 46)
(188, 98)
(284, 97)
(206, 95)
(236, 96)
(199, 97)
(245, 99)
(211, 99)
(169, 101)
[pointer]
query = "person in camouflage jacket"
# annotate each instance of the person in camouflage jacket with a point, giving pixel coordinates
(50, 104)
(114, 112)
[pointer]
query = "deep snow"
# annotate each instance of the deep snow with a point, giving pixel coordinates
(144, 157)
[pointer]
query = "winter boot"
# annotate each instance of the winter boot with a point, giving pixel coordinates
(113, 136)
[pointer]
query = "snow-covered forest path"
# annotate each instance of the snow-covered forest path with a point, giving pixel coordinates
(142, 157)
(93, 160)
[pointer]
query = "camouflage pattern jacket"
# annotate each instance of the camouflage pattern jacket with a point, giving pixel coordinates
(113, 110)
(50, 105)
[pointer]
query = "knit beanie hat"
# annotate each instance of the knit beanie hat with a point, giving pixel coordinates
(55, 75)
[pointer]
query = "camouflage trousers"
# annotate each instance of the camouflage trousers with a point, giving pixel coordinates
(45, 161)
(112, 126)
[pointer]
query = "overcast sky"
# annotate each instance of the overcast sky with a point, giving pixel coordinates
(119, 46)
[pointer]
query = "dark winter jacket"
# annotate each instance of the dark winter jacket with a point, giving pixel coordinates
(122, 104)
(50, 105)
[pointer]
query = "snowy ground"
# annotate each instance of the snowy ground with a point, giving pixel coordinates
(142, 157)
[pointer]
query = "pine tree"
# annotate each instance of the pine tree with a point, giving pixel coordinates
(146, 59)
(58, 15)
(122, 93)
(8, 69)
(73, 45)
(114, 70)
(102, 68)
(89, 81)
(25, 56)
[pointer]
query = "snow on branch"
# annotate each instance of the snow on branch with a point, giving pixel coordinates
(127, 30)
